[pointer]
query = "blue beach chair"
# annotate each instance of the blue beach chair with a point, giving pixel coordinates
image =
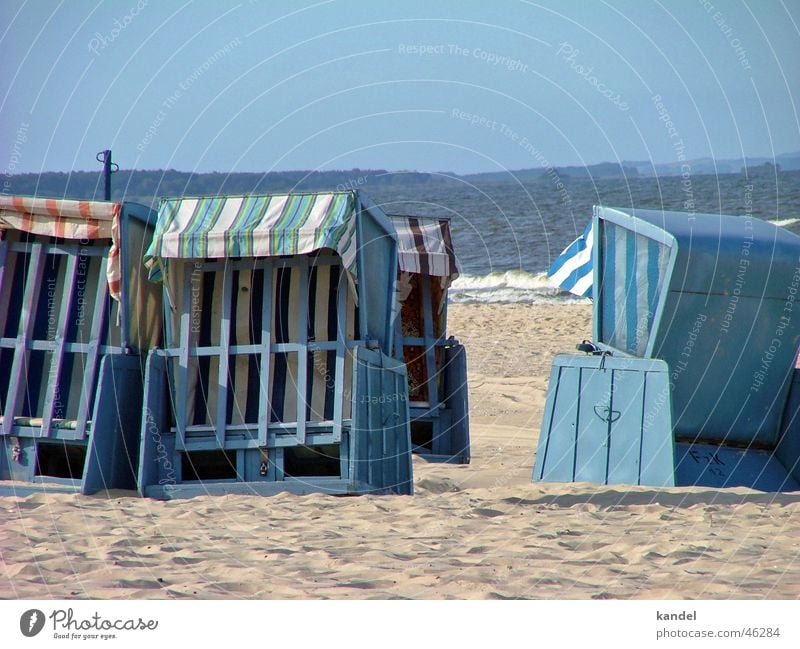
(277, 371)
(76, 310)
(691, 378)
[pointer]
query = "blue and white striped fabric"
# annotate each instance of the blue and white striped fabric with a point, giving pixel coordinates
(634, 268)
(572, 270)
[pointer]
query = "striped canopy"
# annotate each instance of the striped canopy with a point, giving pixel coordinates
(67, 219)
(425, 246)
(254, 226)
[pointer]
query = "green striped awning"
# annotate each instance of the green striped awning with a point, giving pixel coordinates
(254, 226)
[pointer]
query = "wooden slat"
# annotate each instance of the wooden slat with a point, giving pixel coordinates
(594, 415)
(362, 272)
(339, 375)
(657, 456)
(241, 470)
(374, 428)
(182, 397)
(211, 379)
(98, 315)
(625, 433)
(430, 342)
(53, 386)
(454, 376)
(58, 249)
(291, 321)
(266, 341)
(69, 347)
(194, 284)
(279, 466)
(555, 458)
(53, 290)
(88, 281)
(345, 463)
(241, 361)
(318, 285)
(224, 360)
(5, 295)
(7, 272)
(17, 383)
(349, 337)
(194, 352)
(302, 357)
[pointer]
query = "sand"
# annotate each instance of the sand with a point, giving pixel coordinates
(477, 531)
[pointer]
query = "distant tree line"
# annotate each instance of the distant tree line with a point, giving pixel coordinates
(145, 186)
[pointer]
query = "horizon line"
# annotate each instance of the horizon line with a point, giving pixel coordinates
(621, 163)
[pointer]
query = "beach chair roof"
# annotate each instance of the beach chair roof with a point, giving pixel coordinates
(67, 219)
(717, 244)
(268, 225)
(425, 246)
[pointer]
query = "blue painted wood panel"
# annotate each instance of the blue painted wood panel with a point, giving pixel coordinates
(555, 459)
(625, 440)
(380, 423)
(156, 443)
(602, 422)
(657, 460)
(595, 411)
(113, 456)
(455, 430)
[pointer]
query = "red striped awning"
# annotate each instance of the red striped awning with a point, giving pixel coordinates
(67, 219)
(425, 246)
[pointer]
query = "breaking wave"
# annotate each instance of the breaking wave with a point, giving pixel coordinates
(510, 286)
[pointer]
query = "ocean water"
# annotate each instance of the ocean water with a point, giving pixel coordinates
(506, 234)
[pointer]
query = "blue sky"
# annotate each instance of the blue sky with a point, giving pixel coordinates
(433, 86)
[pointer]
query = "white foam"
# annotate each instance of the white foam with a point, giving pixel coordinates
(782, 223)
(511, 286)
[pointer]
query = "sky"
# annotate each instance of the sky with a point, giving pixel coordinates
(458, 86)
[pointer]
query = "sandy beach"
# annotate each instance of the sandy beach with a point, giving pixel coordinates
(477, 531)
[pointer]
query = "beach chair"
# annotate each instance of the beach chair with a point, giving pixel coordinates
(691, 378)
(277, 371)
(436, 363)
(75, 311)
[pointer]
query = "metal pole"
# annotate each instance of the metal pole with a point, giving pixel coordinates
(108, 169)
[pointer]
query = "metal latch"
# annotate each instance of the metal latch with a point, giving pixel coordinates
(263, 469)
(16, 451)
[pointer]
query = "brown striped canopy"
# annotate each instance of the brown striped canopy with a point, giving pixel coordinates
(425, 246)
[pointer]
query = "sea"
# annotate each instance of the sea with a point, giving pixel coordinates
(506, 234)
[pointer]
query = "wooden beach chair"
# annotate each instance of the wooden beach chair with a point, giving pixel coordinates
(691, 377)
(277, 373)
(436, 363)
(75, 311)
